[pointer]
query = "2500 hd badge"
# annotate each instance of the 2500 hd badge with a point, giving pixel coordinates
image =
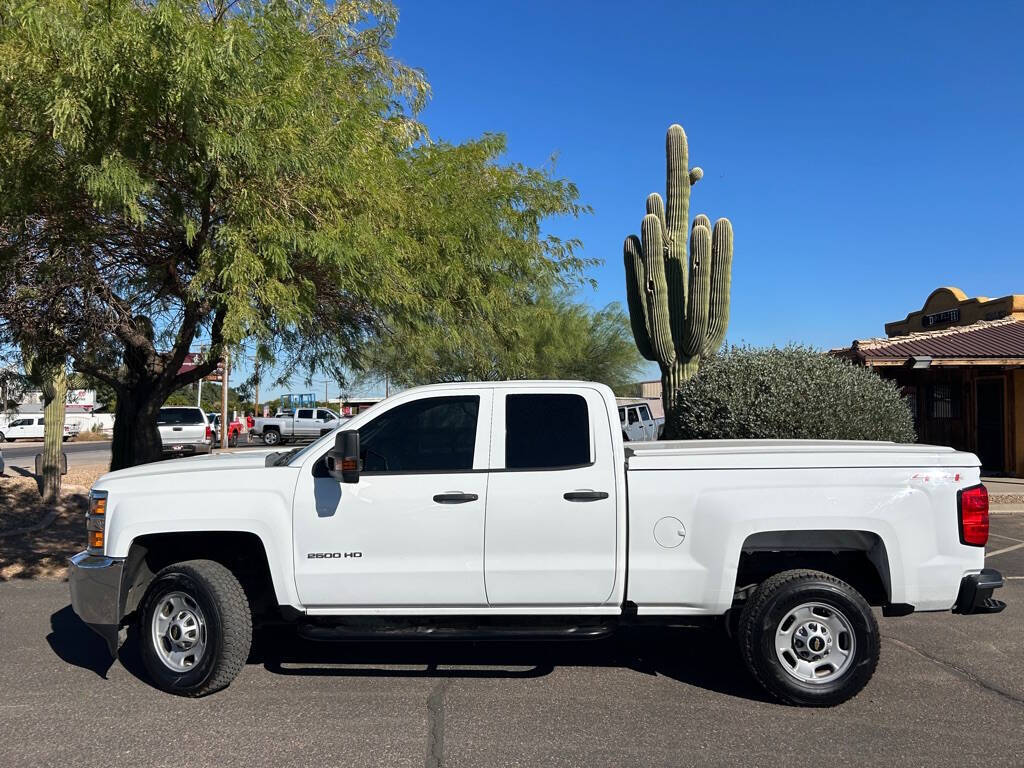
(323, 555)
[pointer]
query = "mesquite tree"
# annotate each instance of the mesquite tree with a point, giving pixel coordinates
(177, 173)
(678, 303)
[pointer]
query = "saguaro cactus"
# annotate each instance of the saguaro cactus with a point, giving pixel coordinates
(678, 304)
(52, 379)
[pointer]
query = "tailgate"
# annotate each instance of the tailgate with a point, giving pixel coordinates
(182, 433)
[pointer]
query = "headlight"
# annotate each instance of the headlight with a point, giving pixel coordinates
(95, 521)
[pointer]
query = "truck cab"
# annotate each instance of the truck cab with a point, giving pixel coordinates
(455, 510)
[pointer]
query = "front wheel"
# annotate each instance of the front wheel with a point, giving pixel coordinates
(2, 438)
(195, 628)
(809, 638)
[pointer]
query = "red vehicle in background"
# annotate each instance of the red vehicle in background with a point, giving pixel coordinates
(234, 430)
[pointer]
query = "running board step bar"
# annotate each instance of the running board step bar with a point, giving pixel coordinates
(364, 633)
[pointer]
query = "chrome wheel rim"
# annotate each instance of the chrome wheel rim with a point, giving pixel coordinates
(271, 438)
(178, 631)
(815, 643)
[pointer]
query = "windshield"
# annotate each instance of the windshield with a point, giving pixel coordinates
(180, 416)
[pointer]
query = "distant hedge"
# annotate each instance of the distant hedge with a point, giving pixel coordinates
(795, 392)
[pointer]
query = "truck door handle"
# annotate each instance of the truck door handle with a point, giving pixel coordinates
(176, 429)
(455, 498)
(585, 495)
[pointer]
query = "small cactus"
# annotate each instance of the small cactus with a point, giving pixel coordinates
(678, 304)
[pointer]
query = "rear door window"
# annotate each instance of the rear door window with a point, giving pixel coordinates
(645, 414)
(305, 413)
(546, 431)
(633, 418)
(178, 416)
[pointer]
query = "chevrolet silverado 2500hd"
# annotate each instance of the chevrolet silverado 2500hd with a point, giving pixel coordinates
(453, 511)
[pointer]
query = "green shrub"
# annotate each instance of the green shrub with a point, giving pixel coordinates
(795, 392)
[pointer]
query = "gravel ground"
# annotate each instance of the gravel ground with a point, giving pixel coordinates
(36, 539)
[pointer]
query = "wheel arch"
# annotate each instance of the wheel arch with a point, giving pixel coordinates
(858, 557)
(244, 553)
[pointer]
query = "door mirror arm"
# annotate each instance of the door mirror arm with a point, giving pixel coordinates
(343, 462)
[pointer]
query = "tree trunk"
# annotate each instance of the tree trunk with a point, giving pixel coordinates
(55, 389)
(672, 379)
(136, 437)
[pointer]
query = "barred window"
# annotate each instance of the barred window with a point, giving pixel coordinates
(945, 404)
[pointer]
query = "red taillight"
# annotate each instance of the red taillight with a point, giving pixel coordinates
(972, 508)
(209, 432)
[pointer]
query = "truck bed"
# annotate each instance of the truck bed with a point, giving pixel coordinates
(789, 454)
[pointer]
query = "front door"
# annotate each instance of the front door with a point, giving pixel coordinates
(634, 425)
(551, 500)
(411, 531)
(991, 425)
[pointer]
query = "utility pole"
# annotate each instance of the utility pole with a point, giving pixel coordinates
(199, 396)
(225, 430)
(256, 371)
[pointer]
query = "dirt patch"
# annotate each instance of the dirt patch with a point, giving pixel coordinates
(35, 538)
(88, 436)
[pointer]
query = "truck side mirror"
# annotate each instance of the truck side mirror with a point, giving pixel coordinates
(343, 460)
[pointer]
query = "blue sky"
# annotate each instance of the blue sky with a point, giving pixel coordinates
(866, 153)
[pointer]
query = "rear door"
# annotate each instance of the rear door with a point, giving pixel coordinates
(551, 502)
(306, 423)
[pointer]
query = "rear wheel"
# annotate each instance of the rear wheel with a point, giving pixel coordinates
(195, 628)
(809, 638)
(271, 437)
(233, 440)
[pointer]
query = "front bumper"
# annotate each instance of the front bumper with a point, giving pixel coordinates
(976, 593)
(95, 593)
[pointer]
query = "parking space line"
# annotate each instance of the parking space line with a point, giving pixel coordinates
(1010, 538)
(1004, 551)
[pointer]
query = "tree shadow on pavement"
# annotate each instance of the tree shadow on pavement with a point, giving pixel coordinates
(76, 644)
(701, 657)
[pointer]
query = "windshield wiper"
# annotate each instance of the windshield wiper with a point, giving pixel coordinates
(284, 458)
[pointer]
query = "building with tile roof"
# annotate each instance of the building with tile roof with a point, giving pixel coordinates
(960, 363)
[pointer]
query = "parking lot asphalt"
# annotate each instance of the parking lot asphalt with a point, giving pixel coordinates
(949, 691)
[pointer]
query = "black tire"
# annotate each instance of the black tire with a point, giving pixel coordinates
(763, 615)
(2, 438)
(233, 440)
(64, 439)
(227, 621)
(271, 437)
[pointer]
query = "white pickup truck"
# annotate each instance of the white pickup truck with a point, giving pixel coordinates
(297, 424)
(33, 428)
(452, 511)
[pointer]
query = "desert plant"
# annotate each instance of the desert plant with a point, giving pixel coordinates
(795, 392)
(678, 304)
(51, 377)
